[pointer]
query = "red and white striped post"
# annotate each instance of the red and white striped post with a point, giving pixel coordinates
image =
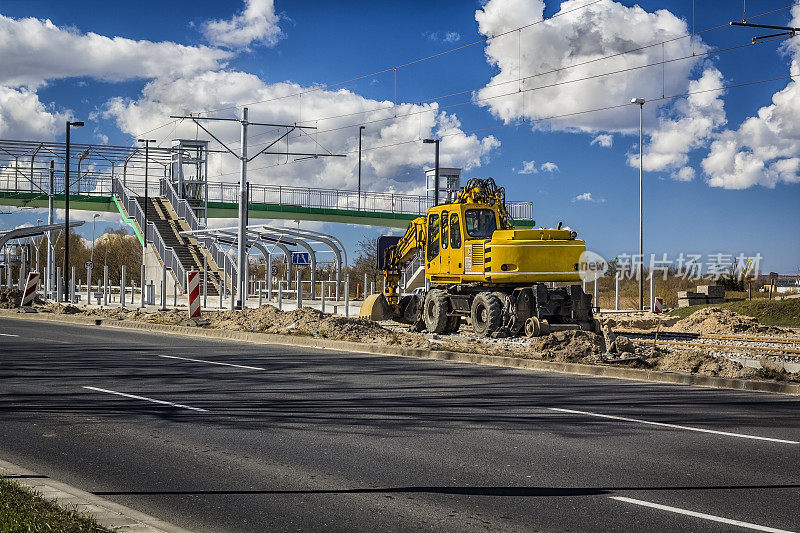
(31, 287)
(193, 289)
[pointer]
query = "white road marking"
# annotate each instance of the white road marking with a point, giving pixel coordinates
(695, 514)
(162, 402)
(8, 335)
(212, 362)
(673, 426)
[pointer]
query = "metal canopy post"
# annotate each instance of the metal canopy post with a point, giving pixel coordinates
(241, 283)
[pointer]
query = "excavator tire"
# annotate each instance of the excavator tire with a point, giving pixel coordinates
(487, 314)
(435, 311)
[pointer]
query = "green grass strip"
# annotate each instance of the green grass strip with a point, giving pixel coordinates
(25, 511)
(784, 313)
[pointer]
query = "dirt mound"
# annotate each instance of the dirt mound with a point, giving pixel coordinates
(638, 321)
(569, 346)
(10, 298)
(721, 320)
(696, 362)
(60, 309)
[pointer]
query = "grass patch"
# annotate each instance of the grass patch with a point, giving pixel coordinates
(22, 510)
(769, 313)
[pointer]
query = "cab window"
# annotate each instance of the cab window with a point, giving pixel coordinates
(481, 223)
(433, 237)
(445, 231)
(455, 232)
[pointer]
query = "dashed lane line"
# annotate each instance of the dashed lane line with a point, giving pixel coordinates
(211, 362)
(687, 512)
(673, 426)
(153, 400)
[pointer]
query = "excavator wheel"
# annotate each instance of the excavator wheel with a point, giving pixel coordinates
(435, 311)
(487, 314)
(532, 327)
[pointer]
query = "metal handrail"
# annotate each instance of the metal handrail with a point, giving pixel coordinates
(135, 211)
(381, 202)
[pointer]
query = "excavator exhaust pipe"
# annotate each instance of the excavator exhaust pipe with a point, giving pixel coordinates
(376, 307)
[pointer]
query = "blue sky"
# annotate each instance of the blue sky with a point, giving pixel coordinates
(722, 176)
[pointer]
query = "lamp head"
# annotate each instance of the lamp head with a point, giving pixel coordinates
(430, 141)
(76, 124)
(639, 101)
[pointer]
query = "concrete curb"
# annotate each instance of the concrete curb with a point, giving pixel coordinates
(109, 514)
(675, 378)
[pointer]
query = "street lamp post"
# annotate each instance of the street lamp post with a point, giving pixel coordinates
(94, 220)
(640, 102)
(66, 212)
(360, 129)
(436, 171)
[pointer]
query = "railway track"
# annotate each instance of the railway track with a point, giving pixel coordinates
(753, 345)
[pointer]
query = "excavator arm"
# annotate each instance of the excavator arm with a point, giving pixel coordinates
(399, 254)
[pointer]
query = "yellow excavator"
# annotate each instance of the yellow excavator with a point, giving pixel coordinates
(478, 267)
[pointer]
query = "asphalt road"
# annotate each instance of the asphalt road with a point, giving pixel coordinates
(313, 440)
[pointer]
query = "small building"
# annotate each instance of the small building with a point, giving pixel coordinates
(784, 284)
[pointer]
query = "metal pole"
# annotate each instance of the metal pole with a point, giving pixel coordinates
(72, 286)
(372, 287)
(260, 294)
(322, 308)
(221, 291)
(280, 295)
(299, 290)
(652, 288)
(641, 252)
(616, 292)
(243, 205)
(66, 211)
(122, 288)
(347, 295)
(105, 285)
(360, 129)
(164, 287)
(205, 281)
(88, 286)
(436, 185)
(175, 293)
(268, 275)
(144, 285)
(50, 245)
(595, 293)
(59, 286)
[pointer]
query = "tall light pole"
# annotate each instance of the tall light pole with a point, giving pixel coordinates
(640, 102)
(436, 171)
(66, 212)
(94, 220)
(360, 129)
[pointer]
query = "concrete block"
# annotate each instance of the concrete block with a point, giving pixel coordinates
(714, 291)
(715, 300)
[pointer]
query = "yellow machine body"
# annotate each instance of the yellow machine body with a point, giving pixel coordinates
(470, 250)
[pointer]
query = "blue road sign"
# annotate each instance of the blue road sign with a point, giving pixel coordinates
(301, 258)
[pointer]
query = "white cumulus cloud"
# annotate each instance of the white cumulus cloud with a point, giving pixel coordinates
(765, 149)
(587, 197)
(541, 71)
(528, 167)
(398, 167)
(604, 140)
(24, 116)
(258, 23)
(34, 51)
(549, 166)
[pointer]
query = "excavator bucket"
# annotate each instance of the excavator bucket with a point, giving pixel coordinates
(375, 307)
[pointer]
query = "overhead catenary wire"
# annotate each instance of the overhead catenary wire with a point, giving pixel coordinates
(556, 117)
(457, 48)
(553, 71)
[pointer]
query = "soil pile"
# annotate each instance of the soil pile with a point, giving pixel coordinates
(696, 362)
(569, 346)
(59, 309)
(721, 320)
(10, 298)
(639, 321)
